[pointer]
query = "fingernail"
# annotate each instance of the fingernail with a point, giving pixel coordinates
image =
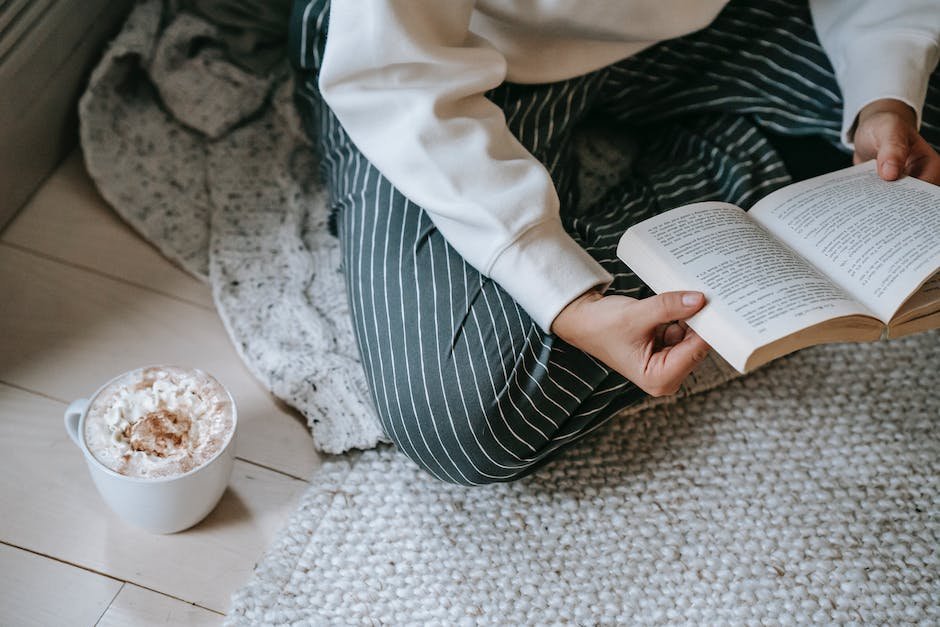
(690, 299)
(890, 170)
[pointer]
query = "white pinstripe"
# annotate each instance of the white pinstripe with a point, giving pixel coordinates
(397, 386)
(404, 331)
(533, 331)
(377, 195)
(483, 412)
(422, 361)
(497, 396)
(506, 374)
(303, 32)
(440, 371)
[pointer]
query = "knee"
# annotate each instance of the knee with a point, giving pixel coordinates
(464, 453)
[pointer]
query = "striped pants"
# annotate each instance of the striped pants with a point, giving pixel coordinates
(464, 382)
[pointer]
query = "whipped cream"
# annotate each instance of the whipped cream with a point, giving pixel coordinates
(159, 422)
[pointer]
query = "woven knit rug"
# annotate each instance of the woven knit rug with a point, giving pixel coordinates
(807, 492)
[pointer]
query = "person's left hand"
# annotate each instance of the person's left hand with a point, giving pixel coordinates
(887, 131)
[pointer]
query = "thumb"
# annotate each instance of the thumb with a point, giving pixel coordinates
(669, 306)
(893, 150)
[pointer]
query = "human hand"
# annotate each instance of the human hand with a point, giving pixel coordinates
(640, 339)
(887, 130)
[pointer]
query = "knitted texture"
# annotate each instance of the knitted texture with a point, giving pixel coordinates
(807, 492)
(209, 163)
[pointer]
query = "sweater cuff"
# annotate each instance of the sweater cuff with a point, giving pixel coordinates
(544, 269)
(893, 65)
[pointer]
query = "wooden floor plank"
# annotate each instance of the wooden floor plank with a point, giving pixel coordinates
(143, 608)
(51, 507)
(68, 330)
(67, 219)
(36, 590)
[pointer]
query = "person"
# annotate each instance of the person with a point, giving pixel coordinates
(495, 323)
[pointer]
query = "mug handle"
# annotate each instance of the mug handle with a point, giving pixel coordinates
(73, 413)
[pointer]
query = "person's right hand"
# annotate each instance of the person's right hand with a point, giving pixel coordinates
(644, 340)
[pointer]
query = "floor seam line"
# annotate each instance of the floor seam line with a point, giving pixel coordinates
(272, 469)
(23, 388)
(104, 275)
(110, 603)
(112, 577)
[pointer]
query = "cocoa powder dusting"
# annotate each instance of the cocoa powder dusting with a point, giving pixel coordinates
(160, 433)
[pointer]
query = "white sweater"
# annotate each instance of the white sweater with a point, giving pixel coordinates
(406, 79)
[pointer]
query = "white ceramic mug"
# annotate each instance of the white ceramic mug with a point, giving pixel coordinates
(159, 505)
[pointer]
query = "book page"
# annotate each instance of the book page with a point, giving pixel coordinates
(878, 240)
(758, 290)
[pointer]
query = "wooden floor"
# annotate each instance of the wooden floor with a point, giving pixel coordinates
(82, 298)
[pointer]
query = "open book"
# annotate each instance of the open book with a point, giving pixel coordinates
(841, 257)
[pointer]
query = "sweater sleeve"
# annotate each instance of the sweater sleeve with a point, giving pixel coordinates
(407, 83)
(879, 49)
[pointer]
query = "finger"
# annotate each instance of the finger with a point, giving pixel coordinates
(673, 334)
(682, 358)
(924, 162)
(894, 147)
(659, 336)
(667, 368)
(668, 307)
(930, 172)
